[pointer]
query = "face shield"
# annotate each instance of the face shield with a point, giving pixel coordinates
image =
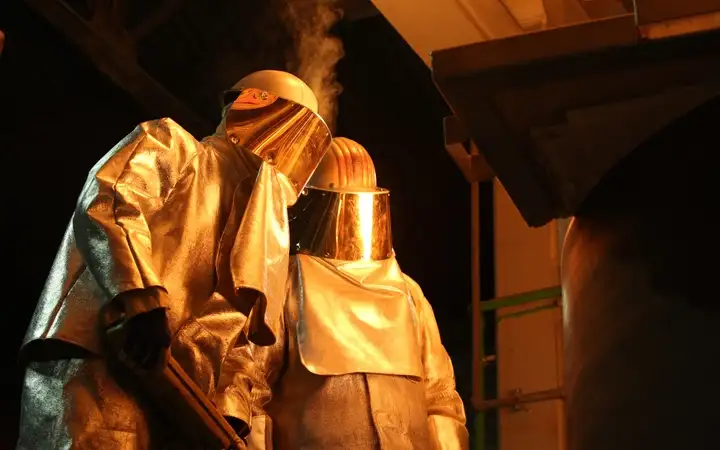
(342, 225)
(286, 135)
(272, 120)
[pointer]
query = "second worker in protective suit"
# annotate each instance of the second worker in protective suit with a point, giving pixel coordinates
(358, 362)
(180, 245)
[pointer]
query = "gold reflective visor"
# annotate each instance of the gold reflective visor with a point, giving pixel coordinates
(283, 133)
(343, 225)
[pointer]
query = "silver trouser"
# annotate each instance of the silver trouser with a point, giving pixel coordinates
(75, 404)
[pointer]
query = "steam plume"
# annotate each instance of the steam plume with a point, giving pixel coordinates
(316, 50)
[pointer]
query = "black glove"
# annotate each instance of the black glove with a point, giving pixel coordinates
(240, 427)
(242, 431)
(146, 343)
(138, 331)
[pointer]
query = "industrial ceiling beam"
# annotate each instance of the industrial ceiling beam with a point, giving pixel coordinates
(424, 24)
(112, 51)
(565, 12)
(554, 111)
(602, 9)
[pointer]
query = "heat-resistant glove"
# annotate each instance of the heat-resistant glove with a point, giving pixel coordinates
(141, 339)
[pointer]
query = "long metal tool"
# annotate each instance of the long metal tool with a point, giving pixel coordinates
(185, 406)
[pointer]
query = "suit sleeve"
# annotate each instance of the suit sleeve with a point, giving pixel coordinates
(246, 385)
(446, 413)
(120, 196)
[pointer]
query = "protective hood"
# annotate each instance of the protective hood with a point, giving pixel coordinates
(288, 141)
(347, 312)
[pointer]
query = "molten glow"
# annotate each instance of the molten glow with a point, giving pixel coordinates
(366, 219)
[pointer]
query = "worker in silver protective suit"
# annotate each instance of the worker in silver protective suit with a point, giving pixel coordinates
(184, 245)
(358, 362)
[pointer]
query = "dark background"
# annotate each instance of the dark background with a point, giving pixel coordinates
(60, 115)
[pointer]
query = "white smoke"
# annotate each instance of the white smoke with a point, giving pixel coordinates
(316, 50)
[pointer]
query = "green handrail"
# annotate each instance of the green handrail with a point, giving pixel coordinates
(504, 302)
(521, 299)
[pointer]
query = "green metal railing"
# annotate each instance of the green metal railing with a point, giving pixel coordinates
(518, 399)
(472, 164)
